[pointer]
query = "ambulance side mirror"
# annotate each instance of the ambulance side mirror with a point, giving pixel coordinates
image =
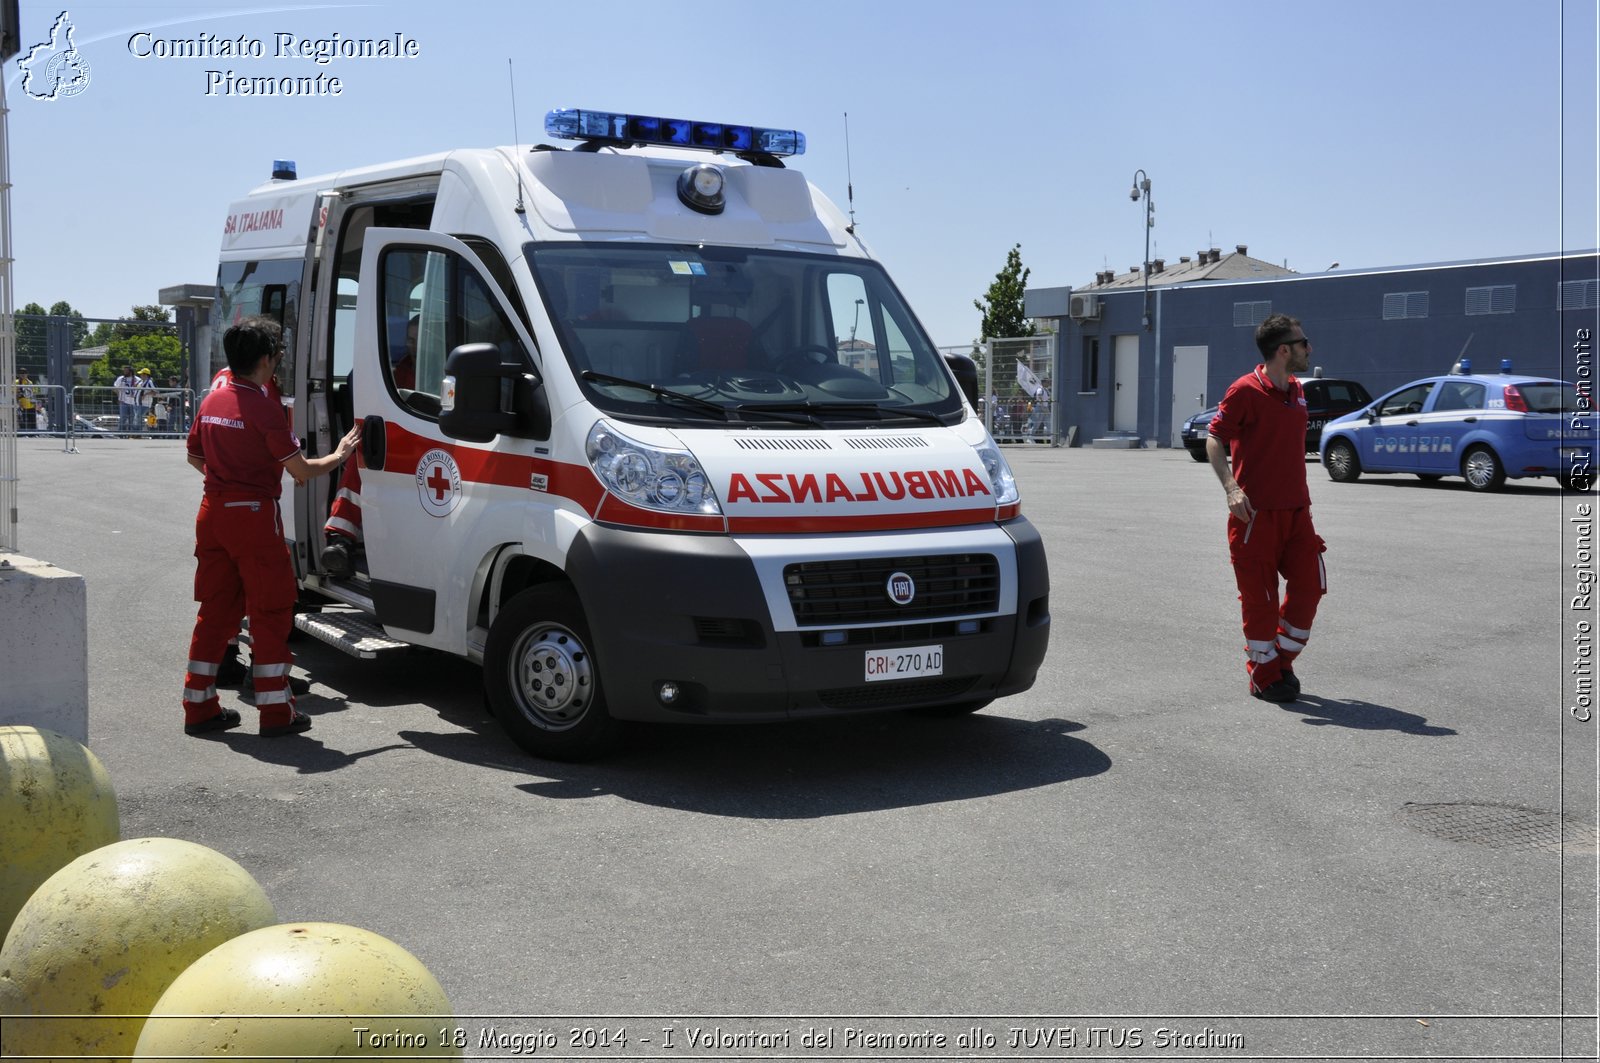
(481, 393)
(966, 372)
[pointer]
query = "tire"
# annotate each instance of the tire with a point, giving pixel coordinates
(965, 708)
(1198, 454)
(1344, 466)
(1482, 470)
(542, 680)
(1430, 477)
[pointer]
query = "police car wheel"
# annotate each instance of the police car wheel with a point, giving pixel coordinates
(1482, 470)
(1343, 465)
(541, 677)
(1198, 454)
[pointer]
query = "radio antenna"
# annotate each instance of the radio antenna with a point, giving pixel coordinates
(849, 180)
(516, 137)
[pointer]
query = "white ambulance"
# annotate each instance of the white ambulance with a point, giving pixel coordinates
(667, 443)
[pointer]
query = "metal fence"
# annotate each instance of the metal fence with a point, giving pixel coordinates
(1017, 384)
(95, 412)
(132, 412)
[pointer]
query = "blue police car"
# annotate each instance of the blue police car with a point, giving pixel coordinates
(1481, 427)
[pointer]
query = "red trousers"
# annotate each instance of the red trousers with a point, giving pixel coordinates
(345, 517)
(244, 570)
(1276, 542)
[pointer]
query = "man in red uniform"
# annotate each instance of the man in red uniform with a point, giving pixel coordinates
(1262, 424)
(242, 444)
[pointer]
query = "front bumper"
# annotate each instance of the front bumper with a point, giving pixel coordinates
(691, 609)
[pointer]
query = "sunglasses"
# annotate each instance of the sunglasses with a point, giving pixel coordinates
(1302, 339)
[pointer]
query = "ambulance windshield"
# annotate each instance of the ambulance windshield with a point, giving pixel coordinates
(807, 338)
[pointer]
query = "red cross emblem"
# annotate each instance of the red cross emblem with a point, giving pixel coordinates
(438, 482)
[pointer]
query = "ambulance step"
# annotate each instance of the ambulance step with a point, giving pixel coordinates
(354, 633)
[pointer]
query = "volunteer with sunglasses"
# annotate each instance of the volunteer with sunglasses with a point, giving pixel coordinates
(1257, 448)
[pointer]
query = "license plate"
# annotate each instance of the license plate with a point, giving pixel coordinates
(910, 662)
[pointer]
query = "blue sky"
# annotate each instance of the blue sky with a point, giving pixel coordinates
(1360, 132)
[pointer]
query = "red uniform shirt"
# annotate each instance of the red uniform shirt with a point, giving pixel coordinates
(1265, 431)
(242, 436)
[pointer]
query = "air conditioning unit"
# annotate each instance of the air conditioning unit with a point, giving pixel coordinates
(1084, 307)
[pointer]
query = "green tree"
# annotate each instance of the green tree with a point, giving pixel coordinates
(153, 346)
(1001, 305)
(30, 337)
(125, 329)
(80, 327)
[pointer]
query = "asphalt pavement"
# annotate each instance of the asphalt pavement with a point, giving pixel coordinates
(1134, 845)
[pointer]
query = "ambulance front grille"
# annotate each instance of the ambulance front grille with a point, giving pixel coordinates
(783, 443)
(855, 590)
(886, 442)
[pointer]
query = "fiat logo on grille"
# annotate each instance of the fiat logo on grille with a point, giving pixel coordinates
(902, 588)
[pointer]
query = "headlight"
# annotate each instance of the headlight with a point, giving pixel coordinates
(670, 481)
(1000, 478)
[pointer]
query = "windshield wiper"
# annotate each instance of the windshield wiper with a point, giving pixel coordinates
(862, 410)
(664, 394)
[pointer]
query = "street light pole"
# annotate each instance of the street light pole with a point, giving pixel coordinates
(854, 323)
(1141, 187)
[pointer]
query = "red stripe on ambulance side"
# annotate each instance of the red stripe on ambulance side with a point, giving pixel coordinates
(574, 482)
(865, 522)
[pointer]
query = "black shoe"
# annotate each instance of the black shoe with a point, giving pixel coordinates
(299, 722)
(1292, 679)
(1280, 692)
(232, 671)
(336, 559)
(226, 720)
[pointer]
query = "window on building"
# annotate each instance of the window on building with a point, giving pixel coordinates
(1580, 295)
(1398, 306)
(1251, 314)
(1492, 299)
(1090, 378)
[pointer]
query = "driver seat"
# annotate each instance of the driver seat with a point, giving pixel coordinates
(719, 344)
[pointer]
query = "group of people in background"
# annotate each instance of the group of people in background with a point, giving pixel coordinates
(145, 406)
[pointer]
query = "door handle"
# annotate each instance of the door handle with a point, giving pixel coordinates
(1412, 424)
(1469, 420)
(374, 441)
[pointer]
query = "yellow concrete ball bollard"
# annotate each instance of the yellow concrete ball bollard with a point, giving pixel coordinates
(56, 803)
(100, 941)
(302, 991)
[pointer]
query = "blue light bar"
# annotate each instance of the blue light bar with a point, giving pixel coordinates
(617, 128)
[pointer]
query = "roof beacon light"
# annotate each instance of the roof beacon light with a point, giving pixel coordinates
(283, 170)
(616, 128)
(700, 188)
(1505, 365)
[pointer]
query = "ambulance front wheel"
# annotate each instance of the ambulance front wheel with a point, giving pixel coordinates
(542, 680)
